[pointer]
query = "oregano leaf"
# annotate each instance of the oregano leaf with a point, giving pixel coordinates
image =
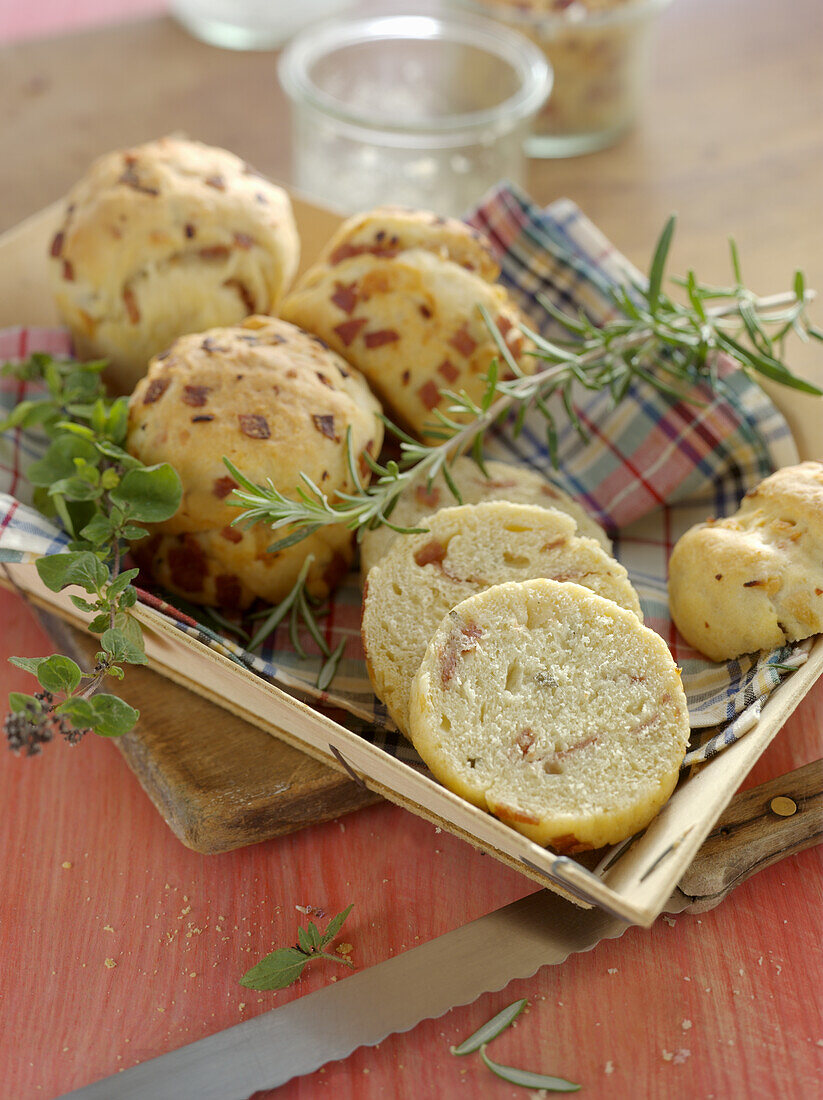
(112, 716)
(98, 530)
(335, 924)
(277, 970)
(80, 711)
(58, 571)
(28, 664)
(58, 461)
(18, 702)
(76, 488)
(59, 673)
(81, 604)
(121, 581)
(150, 493)
(118, 646)
(128, 597)
(118, 420)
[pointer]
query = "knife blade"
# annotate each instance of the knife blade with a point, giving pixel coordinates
(542, 929)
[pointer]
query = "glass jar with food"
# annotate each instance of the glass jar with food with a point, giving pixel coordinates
(599, 51)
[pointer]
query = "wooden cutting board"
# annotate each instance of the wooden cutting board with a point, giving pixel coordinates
(218, 782)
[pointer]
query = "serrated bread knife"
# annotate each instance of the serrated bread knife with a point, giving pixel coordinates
(759, 827)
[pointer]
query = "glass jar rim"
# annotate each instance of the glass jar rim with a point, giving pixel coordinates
(526, 59)
(556, 21)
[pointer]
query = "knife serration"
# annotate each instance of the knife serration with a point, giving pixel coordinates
(456, 968)
(361, 1010)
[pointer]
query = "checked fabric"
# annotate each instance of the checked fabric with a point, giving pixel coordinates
(647, 470)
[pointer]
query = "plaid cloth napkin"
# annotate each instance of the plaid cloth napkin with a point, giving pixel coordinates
(648, 470)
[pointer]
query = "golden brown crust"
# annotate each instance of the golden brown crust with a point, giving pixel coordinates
(754, 580)
(517, 484)
(163, 239)
(388, 230)
(399, 296)
(276, 403)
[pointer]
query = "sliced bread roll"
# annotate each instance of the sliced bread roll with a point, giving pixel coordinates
(468, 549)
(554, 709)
(504, 482)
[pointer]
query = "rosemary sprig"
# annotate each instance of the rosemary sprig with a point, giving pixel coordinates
(102, 495)
(673, 346)
(301, 607)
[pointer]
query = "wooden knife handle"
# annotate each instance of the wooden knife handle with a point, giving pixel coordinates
(759, 827)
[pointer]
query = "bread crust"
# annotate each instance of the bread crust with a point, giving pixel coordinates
(505, 481)
(754, 580)
(163, 239)
(398, 294)
(278, 404)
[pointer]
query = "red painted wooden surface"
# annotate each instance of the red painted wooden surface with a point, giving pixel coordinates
(724, 1005)
(727, 1004)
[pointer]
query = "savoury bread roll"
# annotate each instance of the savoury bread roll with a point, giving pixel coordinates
(755, 579)
(468, 549)
(554, 709)
(504, 482)
(164, 239)
(276, 403)
(396, 293)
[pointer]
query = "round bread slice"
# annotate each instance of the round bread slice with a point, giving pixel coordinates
(466, 550)
(554, 709)
(504, 482)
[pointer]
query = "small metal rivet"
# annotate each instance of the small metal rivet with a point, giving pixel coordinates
(783, 807)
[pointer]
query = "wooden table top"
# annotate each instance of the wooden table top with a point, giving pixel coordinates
(118, 944)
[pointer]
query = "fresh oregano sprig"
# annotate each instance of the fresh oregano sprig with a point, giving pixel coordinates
(284, 966)
(673, 346)
(102, 495)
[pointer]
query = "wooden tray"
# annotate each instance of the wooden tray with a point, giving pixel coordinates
(635, 887)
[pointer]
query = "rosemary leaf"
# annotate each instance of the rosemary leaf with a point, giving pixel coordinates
(491, 1029)
(526, 1078)
(329, 670)
(294, 627)
(658, 266)
(311, 623)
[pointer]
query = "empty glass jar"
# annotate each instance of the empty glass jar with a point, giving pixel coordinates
(417, 110)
